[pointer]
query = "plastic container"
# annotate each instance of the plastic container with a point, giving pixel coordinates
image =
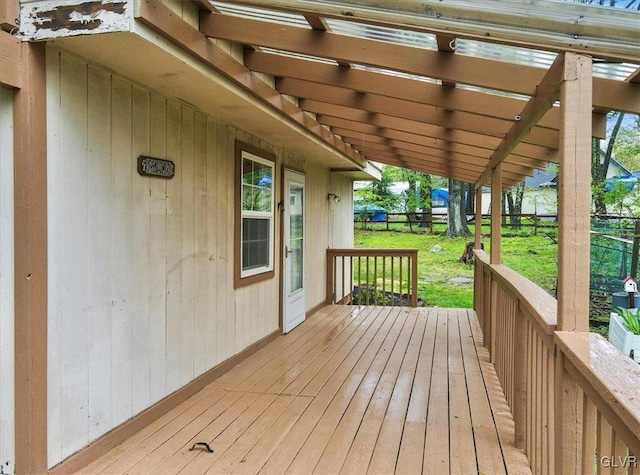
(621, 299)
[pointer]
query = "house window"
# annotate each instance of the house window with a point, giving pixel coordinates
(255, 216)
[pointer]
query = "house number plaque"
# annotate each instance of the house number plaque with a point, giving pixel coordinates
(149, 166)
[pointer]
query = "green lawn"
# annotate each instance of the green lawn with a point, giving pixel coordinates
(535, 257)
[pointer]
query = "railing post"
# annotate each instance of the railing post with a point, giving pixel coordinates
(568, 411)
(330, 282)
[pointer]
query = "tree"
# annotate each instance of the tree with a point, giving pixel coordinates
(514, 198)
(626, 148)
(457, 217)
(378, 192)
(599, 167)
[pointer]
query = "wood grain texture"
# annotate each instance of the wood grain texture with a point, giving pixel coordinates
(10, 59)
(574, 194)
(31, 261)
(370, 413)
(7, 311)
(142, 300)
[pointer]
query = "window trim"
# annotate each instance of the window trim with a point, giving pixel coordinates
(241, 279)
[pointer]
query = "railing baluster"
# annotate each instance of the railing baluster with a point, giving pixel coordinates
(351, 280)
(375, 280)
(368, 281)
(400, 281)
(414, 279)
(359, 281)
(392, 279)
(343, 294)
(384, 280)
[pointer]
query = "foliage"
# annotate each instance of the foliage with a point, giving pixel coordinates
(627, 146)
(378, 192)
(622, 198)
(631, 319)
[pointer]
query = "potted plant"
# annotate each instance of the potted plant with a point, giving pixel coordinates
(624, 331)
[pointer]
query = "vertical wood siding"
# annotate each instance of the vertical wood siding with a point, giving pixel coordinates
(7, 442)
(141, 292)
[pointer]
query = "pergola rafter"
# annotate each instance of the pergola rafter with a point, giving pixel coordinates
(469, 70)
(398, 87)
(557, 27)
(391, 101)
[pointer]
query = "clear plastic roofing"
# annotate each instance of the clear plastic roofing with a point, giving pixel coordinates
(401, 129)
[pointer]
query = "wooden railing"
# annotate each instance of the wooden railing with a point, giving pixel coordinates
(372, 277)
(557, 383)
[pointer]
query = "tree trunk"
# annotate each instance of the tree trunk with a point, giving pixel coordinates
(597, 178)
(514, 205)
(599, 170)
(471, 198)
(509, 199)
(503, 211)
(425, 191)
(457, 217)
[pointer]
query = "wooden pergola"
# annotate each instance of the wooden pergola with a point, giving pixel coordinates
(480, 92)
(394, 88)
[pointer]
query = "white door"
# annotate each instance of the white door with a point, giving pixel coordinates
(294, 253)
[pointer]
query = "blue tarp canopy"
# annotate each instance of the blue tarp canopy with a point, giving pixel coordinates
(439, 197)
(371, 212)
(628, 182)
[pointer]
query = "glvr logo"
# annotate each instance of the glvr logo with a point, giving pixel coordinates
(619, 461)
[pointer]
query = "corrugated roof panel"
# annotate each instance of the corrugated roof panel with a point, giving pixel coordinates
(486, 50)
(261, 14)
(382, 33)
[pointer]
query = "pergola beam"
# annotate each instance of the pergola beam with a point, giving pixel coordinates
(634, 77)
(408, 110)
(359, 141)
(422, 92)
(546, 95)
(10, 60)
(606, 33)
(370, 106)
(398, 137)
(497, 75)
(9, 14)
(432, 135)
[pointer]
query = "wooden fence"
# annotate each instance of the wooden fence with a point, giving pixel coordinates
(372, 276)
(575, 398)
(535, 221)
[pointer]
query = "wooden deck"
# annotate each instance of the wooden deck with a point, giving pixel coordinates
(352, 390)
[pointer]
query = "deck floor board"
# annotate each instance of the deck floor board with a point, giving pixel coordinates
(352, 390)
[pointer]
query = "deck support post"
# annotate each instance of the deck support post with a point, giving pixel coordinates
(31, 263)
(495, 256)
(496, 214)
(574, 193)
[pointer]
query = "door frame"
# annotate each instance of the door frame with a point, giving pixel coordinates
(282, 203)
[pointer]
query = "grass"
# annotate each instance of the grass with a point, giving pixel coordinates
(535, 257)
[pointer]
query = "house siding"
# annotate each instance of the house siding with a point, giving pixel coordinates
(141, 297)
(7, 419)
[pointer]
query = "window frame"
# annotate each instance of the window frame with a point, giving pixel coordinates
(251, 276)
